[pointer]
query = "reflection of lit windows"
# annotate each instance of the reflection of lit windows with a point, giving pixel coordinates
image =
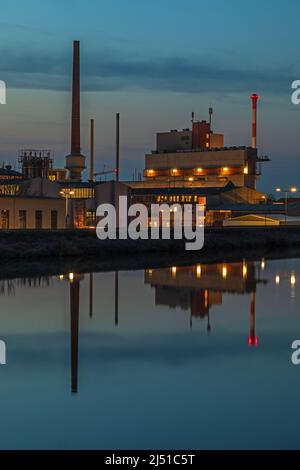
(245, 270)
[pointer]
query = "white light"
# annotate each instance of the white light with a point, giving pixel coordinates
(71, 276)
(293, 280)
(277, 279)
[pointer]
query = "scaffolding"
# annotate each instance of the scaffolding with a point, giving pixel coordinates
(35, 163)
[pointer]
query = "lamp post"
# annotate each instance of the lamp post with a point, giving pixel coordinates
(286, 192)
(67, 195)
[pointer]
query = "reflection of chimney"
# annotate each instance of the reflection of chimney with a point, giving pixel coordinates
(253, 339)
(74, 302)
(116, 298)
(91, 294)
(75, 162)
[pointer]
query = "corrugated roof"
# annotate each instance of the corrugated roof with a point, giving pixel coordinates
(9, 172)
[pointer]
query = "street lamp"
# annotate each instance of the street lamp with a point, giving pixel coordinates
(67, 195)
(286, 192)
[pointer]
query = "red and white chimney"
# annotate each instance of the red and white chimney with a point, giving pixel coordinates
(254, 99)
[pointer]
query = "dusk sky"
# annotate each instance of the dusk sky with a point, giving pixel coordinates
(154, 62)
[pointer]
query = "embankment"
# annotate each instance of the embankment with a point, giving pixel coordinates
(52, 252)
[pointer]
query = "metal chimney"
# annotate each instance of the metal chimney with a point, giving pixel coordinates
(118, 147)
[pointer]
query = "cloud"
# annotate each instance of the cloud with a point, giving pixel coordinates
(109, 72)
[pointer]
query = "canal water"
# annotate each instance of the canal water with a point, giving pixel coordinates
(195, 357)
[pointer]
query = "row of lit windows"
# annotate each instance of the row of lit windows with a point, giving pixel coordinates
(181, 199)
(9, 189)
(197, 171)
(78, 193)
(22, 219)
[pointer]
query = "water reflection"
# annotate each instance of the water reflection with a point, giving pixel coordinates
(199, 288)
(195, 289)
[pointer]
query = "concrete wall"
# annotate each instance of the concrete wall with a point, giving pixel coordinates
(31, 205)
(174, 140)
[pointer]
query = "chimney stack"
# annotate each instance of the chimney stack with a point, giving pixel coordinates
(92, 152)
(118, 147)
(254, 99)
(75, 161)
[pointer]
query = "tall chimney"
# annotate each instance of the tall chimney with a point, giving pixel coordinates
(254, 99)
(92, 152)
(118, 147)
(75, 161)
(210, 115)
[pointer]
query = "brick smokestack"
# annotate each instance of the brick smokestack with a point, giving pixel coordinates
(254, 99)
(75, 162)
(75, 138)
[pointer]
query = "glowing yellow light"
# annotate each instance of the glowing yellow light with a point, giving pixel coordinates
(225, 168)
(61, 277)
(293, 279)
(246, 170)
(150, 272)
(277, 279)
(278, 190)
(245, 270)
(224, 272)
(199, 271)
(191, 179)
(263, 264)
(150, 172)
(294, 190)
(71, 276)
(199, 170)
(174, 171)
(174, 271)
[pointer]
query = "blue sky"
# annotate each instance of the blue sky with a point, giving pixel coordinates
(152, 61)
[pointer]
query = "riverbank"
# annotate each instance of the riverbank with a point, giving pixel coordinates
(37, 253)
(26, 244)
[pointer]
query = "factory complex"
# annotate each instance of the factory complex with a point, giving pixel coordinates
(191, 166)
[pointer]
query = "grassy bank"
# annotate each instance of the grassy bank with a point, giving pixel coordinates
(72, 243)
